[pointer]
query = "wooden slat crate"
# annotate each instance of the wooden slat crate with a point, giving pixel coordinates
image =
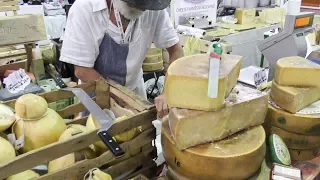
(145, 113)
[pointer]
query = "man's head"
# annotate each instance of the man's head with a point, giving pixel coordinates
(132, 9)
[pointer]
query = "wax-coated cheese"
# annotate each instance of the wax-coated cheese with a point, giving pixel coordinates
(152, 66)
(245, 107)
(297, 71)
(174, 175)
(304, 155)
(237, 157)
(293, 99)
(187, 82)
(245, 16)
(295, 141)
(294, 123)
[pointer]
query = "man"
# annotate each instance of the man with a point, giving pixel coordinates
(110, 38)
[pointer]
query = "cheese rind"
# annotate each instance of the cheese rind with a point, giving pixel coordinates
(152, 66)
(241, 154)
(295, 141)
(294, 123)
(293, 99)
(245, 15)
(304, 155)
(297, 71)
(186, 83)
(245, 108)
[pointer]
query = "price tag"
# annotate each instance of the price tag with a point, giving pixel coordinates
(17, 81)
(19, 143)
(12, 139)
(260, 78)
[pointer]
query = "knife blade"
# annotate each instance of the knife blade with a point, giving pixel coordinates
(105, 121)
(215, 52)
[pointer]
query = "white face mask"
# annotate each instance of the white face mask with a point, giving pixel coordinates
(127, 11)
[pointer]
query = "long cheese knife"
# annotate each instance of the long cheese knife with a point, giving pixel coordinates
(105, 121)
(215, 52)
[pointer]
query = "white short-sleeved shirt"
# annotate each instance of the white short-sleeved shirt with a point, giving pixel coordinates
(87, 24)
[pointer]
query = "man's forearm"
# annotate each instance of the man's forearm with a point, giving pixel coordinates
(86, 74)
(175, 52)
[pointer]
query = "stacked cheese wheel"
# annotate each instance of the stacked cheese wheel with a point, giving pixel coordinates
(203, 134)
(153, 60)
(292, 114)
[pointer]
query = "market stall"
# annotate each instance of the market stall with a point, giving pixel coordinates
(242, 102)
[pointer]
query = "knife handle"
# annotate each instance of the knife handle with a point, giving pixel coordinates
(111, 144)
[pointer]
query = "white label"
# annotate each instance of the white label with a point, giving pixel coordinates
(12, 139)
(287, 172)
(213, 85)
(19, 143)
(17, 81)
(260, 78)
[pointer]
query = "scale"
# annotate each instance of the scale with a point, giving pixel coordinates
(290, 42)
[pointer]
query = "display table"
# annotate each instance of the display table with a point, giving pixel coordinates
(243, 43)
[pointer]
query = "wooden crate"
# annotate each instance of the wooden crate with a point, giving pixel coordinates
(145, 113)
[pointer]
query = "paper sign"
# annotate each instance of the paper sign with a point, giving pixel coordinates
(187, 8)
(17, 81)
(260, 78)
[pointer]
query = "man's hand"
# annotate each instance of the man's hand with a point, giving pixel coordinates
(162, 106)
(86, 74)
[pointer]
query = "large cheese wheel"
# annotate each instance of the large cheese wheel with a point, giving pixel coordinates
(246, 107)
(304, 155)
(297, 71)
(295, 123)
(154, 55)
(293, 99)
(174, 175)
(152, 66)
(245, 15)
(186, 83)
(295, 141)
(237, 157)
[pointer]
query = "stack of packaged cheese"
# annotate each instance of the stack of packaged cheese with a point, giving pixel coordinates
(153, 60)
(204, 138)
(295, 87)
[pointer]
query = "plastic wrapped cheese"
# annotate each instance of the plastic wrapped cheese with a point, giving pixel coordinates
(246, 107)
(237, 157)
(186, 83)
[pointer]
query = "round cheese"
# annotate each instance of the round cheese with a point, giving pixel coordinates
(295, 141)
(174, 175)
(31, 106)
(294, 123)
(304, 155)
(152, 66)
(237, 157)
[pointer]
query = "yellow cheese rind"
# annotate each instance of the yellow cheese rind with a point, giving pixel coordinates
(245, 15)
(297, 71)
(152, 66)
(293, 99)
(304, 155)
(200, 127)
(174, 175)
(295, 141)
(186, 83)
(294, 123)
(241, 154)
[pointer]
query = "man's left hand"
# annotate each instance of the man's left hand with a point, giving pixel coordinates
(162, 106)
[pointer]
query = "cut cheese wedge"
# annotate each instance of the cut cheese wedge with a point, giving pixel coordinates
(304, 155)
(245, 107)
(187, 82)
(297, 71)
(237, 157)
(294, 123)
(245, 15)
(293, 99)
(295, 141)
(154, 55)
(152, 66)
